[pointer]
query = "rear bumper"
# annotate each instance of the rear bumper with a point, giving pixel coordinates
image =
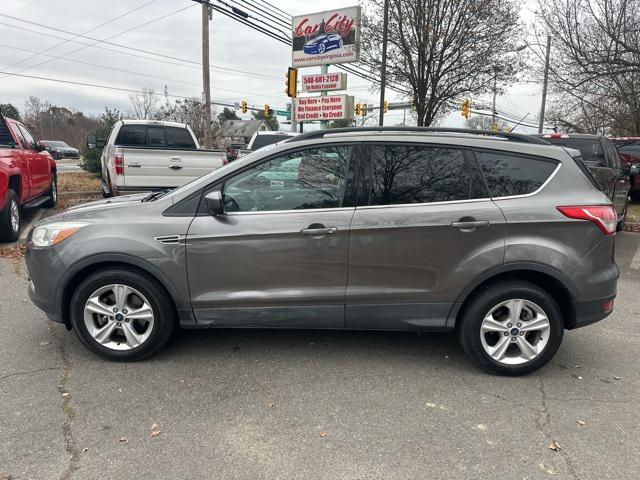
(592, 311)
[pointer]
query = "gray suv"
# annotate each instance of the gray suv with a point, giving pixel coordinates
(501, 237)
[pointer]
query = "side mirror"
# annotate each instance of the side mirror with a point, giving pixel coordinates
(91, 140)
(213, 200)
(634, 170)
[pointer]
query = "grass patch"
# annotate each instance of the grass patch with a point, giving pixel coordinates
(78, 182)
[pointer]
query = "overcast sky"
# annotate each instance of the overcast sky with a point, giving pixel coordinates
(233, 46)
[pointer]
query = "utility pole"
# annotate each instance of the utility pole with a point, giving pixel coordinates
(383, 73)
(206, 80)
(494, 114)
(545, 85)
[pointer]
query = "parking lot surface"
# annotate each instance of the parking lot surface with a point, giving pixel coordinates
(321, 405)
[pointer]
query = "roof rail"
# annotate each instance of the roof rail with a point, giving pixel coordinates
(514, 137)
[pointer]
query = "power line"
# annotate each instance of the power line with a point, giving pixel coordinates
(107, 38)
(85, 32)
(111, 87)
(185, 62)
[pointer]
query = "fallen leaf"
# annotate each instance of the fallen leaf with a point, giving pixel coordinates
(155, 426)
(85, 449)
(555, 446)
(155, 433)
(481, 427)
(616, 378)
(580, 422)
(43, 344)
(323, 434)
(269, 404)
(65, 394)
(124, 440)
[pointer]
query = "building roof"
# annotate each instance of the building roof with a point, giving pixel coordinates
(241, 128)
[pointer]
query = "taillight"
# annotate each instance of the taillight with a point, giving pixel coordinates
(118, 163)
(604, 216)
(225, 162)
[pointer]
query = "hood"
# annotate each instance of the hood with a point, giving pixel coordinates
(108, 203)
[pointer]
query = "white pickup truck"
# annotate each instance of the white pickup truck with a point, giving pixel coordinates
(149, 155)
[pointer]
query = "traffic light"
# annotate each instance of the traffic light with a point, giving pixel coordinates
(466, 109)
(243, 108)
(266, 111)
(495, 127)
(364, 109)
(386, 106)
(292, 82)
(358, 109)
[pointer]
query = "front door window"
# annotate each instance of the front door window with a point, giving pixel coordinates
(302, 180)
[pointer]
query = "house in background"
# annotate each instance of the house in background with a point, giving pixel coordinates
(239, 132)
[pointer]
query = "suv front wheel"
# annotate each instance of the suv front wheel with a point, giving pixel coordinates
(122, 314)
(511, 328)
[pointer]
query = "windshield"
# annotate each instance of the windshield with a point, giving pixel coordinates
(58, 144)
(245, 159)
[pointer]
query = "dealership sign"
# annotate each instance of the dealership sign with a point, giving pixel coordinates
(331, 107)
(326, 37)
(324, 81)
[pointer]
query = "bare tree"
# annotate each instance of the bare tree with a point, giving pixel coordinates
(144, 104)
(595, 64)
(484, 122)
(441, 50)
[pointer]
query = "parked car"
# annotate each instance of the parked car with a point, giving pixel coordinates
(27, 177)
(148, 155)
(59, 150)
(502, 237)
(629, 151)
(323, 43)
(262, 139)
(602, 159)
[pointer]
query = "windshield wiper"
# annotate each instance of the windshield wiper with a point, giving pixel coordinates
(154, 195)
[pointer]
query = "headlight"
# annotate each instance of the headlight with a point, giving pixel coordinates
(53, 233)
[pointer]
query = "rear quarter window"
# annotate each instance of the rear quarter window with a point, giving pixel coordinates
(509, 175)
(132, 136)
(179, 138)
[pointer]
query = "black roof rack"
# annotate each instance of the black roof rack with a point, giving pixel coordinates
(514, 137)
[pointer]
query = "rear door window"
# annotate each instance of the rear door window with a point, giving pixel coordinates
(509, 175)
(179, 138)
(132, 136)
(409, 174)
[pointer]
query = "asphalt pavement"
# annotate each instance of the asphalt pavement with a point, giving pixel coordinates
(316, 405)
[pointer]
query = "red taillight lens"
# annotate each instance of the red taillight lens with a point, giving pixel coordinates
(118, 163)
(607, 307)
(604, 216)
(225, 162)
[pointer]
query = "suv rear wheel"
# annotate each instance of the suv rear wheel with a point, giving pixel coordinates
(511, 328)
(121, 314)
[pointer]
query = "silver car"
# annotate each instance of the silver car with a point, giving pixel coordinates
(500, 237)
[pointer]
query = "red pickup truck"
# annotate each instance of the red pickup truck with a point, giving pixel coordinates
(27, 177)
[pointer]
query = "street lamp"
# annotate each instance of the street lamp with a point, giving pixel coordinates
(545, 81)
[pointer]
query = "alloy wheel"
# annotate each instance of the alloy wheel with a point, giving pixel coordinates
(118, 317)
(14, 213)
(515, 331)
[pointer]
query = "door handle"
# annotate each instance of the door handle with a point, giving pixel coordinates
(470, 225)
(175, 167)
(319, 231)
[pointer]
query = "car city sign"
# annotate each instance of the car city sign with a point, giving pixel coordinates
(326, 37)
(331, 107)
(324, 81)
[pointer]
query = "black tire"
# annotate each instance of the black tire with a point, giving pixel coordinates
(7, 232)
(163, 310)
(623, 220)
(477, 307)
(53, 193)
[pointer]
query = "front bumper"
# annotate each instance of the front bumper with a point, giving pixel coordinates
(45, 271)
